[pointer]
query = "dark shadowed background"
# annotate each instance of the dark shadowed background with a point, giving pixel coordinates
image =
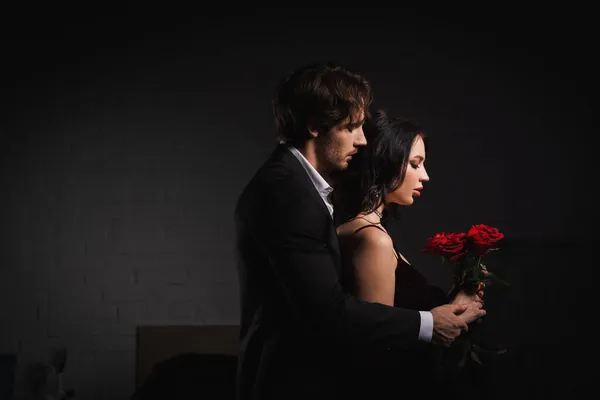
(126, 141)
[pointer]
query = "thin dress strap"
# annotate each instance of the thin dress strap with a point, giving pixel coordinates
(367, 226)
(383, 230)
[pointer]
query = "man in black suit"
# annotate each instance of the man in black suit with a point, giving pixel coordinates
(298, 325)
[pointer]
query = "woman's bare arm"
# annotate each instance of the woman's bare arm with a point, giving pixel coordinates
(374, 262)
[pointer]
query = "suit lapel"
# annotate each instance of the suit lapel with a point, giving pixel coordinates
(309, 189)
(334, 247)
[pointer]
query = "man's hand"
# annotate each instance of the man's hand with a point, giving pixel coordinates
(447, 324)
(473, 312)
(474, 303)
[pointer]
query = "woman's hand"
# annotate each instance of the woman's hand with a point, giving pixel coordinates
(474, 302)
(462, 297)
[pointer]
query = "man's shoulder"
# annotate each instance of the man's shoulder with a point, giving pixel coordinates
(272, 175)
(281, 171)
(276, 179)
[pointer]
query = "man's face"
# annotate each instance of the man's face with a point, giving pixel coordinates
(336, 148)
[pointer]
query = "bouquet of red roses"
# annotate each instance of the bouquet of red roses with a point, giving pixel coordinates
(466, 250)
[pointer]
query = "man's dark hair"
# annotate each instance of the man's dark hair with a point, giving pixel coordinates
(318, 97)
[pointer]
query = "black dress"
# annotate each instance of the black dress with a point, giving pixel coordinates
(399, 372)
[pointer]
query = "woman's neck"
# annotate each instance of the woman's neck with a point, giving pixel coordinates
(375, 216)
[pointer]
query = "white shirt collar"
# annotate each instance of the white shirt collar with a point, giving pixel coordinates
(318, 181)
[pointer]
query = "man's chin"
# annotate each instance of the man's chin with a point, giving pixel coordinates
(341, 166)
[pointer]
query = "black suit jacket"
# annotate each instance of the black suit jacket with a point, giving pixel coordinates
(298, 325)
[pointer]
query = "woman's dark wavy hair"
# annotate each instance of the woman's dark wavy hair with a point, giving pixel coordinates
(377, 169)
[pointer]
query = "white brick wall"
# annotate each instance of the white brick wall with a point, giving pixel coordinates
(90, 252)
(93, 307)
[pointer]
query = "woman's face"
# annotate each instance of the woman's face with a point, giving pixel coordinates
(415, 176)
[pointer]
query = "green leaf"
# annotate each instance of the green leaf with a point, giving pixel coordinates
(475, 357)
(492, 278)
(501, 282)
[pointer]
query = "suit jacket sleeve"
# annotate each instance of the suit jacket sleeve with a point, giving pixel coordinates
(291, 234)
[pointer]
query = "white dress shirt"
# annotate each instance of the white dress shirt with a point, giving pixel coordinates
(324, 189)
(320, 184)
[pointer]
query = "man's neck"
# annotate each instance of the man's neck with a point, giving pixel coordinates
(309, 152)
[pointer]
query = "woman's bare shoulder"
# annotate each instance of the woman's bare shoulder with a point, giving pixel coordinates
(363, 234)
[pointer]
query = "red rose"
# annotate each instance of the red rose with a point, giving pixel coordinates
(451, 245)
(482, 237)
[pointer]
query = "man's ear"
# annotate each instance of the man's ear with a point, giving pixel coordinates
(312, 131)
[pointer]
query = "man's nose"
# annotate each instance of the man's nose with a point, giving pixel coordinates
(361, 140)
